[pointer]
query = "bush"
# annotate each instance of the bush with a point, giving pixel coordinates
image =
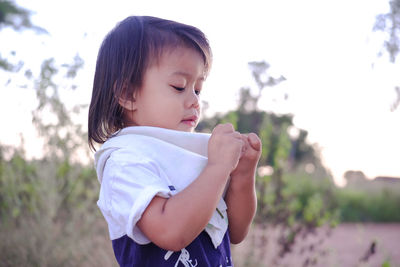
(48, 214)
(367, 206)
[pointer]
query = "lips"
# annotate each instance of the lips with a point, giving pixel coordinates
(191, 120)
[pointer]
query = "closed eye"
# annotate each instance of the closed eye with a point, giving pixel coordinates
(180, 89)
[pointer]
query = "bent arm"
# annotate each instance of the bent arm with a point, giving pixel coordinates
(174, 223)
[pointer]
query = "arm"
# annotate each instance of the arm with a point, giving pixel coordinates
(175, 222)
(241, 196)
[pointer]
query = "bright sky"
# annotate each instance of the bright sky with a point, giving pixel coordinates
(339, 90)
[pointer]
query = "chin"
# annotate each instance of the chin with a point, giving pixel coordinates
(185, 128)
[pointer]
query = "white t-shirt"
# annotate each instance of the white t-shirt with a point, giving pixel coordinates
(139, 163)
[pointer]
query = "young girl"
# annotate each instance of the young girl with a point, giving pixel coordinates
(170, 197)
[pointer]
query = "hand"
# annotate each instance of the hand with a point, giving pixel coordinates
(225, 146)
(241, 196)
(251, 153)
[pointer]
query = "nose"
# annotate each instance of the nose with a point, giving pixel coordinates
(192, 100)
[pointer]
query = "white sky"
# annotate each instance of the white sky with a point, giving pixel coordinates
(325, 49)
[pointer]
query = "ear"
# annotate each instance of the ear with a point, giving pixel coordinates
(127, 103)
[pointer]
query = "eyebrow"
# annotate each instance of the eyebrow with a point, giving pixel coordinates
(185, 74)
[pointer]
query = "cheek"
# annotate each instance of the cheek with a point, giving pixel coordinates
(168, 107)
(200, 107)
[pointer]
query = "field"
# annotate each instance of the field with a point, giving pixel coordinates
(346, 245)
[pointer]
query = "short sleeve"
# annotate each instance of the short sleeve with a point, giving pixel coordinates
(127, 189)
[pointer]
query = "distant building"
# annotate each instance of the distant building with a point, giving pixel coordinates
(387, 179)
(384, 182)
(358, 180)
(355, 178)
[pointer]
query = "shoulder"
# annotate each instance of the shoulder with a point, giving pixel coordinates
(136, 146)
(125, 161)
(128, 155)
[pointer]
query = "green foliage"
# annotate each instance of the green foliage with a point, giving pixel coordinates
(61, 134)
(5, 65)
(314, 197)
(297, 202)
(390, 24)
(386, 263)
(364, 206)
(230, 117)
(50, 209)
(49, 205)
(10, 13)
(18, 186)
(16, 17)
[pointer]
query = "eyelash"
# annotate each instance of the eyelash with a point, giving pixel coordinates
(181, 89)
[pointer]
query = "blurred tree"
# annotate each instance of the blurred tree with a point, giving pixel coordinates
(18, 19)
(390, 24)
(49, 204)
(14, 16)
(259, 70)
(62, 136)
(294, 190)
(18, 178)
(48, 212)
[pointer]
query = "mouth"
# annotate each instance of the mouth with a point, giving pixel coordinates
(191, 121)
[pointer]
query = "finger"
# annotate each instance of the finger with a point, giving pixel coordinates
(237, 135)
(224, 128)
(254, 141)
(245, 144)
(244, 138)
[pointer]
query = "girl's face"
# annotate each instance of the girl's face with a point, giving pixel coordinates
(169, 96)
